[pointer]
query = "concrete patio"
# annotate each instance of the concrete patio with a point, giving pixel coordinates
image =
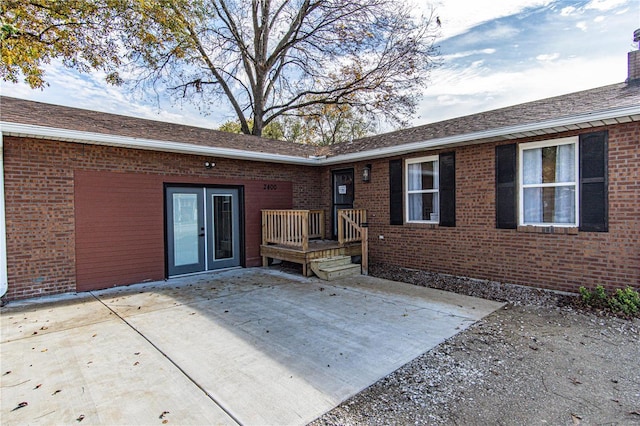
(244, 346)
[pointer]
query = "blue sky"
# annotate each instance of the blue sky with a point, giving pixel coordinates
(496, 53)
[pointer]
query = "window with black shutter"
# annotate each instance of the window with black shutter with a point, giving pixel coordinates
(593, 182)
(430, 190)
(448, 189)
(560, 182)
(506, 186)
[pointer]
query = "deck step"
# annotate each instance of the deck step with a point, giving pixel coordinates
(331, 268)
(329, 262)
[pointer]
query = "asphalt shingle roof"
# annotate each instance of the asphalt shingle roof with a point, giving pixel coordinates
(588, 101)
(21, 111)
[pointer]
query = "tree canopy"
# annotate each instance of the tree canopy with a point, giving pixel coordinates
(34, 32)
(316, 125)
(267, 59)
(270, 59)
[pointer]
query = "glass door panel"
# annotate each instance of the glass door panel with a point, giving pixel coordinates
(185, 230)
(223, 225)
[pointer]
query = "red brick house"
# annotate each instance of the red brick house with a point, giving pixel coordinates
(545, 194)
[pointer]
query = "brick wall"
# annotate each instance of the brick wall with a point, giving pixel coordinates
(41, 226)
(40, 180)
(633, 65)
(475, 248)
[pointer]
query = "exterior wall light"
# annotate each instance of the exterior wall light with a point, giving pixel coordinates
(209, 164)
(366, 173)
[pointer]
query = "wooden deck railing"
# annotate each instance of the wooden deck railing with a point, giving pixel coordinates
(292, 227)
(295, 228)
(352, 227)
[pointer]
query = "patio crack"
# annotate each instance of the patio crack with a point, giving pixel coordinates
(175, 364)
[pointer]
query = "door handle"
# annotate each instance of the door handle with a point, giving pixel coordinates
(200, 235)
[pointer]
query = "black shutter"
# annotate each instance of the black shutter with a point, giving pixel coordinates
(506, 216)
(447, 186)
(395, 193)
(593, 182)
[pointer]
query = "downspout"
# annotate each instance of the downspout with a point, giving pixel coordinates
(3, 226)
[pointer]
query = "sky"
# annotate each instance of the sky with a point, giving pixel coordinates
(495, 53)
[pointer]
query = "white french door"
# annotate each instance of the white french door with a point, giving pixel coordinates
(203, 229)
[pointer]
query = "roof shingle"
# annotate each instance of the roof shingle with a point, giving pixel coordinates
(20, 111)
(585, 102)
(588, 101)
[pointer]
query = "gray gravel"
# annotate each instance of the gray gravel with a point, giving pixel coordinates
(540, 360)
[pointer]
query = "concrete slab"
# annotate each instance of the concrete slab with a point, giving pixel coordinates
(51, 314)
(266, 347)
(102, 373)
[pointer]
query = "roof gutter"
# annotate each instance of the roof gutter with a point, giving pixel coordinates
(29, 130)
(600, 118)
(575, 122)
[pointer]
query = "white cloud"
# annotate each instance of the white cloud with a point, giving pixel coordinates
(582, 25)
(90, 91)
(599, 18)
(447, 100)
(548, 57)
(458, 16)
(604, 5)
(468, 53)
(500, 32)
(568, 11)
(455, 93)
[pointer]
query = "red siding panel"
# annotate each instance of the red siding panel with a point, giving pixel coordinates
(119, 229)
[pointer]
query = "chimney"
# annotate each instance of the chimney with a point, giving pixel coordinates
(634, 59)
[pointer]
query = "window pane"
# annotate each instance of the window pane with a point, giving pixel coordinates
(423, 176)
(563, 200)
(532, 166)
(565, 163)
(414, 177)
(424, 207)
(551, 164)
(549, 205)
(532, 205)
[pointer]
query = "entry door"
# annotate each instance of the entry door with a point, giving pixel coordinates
(343, 196)
(202, 229)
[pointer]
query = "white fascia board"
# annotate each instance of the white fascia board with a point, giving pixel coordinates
(501, 133)
(27, 130)
(4, 280)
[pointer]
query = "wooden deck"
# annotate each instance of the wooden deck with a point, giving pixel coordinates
(298, 236)
(317, 249)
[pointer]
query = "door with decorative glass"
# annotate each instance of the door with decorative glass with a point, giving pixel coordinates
(203, 227)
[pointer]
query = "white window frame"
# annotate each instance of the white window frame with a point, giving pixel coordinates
(432, 158)
(521, 186)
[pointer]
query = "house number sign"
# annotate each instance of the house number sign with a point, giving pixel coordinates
(270, 187)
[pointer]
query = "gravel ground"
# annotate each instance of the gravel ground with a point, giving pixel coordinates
(539, 360)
